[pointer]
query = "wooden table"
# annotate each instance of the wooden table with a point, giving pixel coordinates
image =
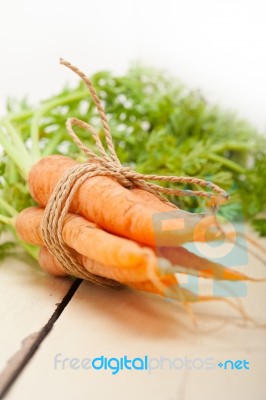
(45, 320)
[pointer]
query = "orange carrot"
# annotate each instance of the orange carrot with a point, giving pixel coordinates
(126, 260)
(51, 265)
(185, 258)
(116, 209)
(149, 200)
(166, 286)
(92, 242)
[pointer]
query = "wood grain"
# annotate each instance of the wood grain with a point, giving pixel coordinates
(28, 299)
(100, 321)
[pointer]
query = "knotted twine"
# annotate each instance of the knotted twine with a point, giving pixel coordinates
(103, 165)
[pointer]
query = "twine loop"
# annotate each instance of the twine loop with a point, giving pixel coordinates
(105, 164)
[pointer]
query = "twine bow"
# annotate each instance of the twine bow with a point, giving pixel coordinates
(105, 165)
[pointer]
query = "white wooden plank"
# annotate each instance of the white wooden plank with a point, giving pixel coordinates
(101, 321)
(28, 299)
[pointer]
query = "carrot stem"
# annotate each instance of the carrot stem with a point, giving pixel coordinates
(42, 111)
(49, 149)
(14, 134)
(52, 103)
(18, 152)
(228, 163)
(231, 146)
(8, 208)
(15, 117)
(34, 134)
(33, 251)
(21, 161)
(6, 220)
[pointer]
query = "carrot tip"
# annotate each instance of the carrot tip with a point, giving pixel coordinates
(166, 267)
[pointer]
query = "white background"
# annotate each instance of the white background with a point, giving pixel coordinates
(218, 46)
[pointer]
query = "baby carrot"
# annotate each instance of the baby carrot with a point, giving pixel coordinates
(166, 286)
(51, 265)
(116, 209)
(91, 241)
(125, 259)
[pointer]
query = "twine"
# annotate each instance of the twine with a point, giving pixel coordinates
(110, 166)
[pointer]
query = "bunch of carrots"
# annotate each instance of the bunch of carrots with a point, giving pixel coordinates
(109, 230)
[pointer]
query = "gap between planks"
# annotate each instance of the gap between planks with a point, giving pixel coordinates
(31, 344)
